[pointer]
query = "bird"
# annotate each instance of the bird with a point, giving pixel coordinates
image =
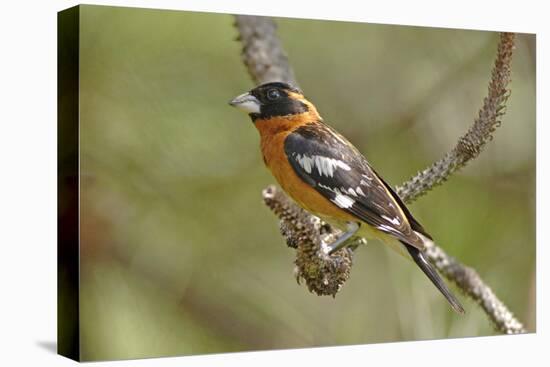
(327, 175)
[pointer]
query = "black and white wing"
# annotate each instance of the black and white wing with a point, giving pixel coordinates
(330, 164)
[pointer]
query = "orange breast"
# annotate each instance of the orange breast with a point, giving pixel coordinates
(273, 134)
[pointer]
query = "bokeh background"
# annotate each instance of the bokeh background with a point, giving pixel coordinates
(178, 253)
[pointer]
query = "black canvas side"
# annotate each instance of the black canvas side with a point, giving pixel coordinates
(68, 326)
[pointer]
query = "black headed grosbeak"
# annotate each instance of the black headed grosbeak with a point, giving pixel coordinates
(325, 174)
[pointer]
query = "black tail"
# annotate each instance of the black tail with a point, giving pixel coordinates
(428, 269)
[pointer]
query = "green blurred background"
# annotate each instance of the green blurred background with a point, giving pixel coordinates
(179, 254)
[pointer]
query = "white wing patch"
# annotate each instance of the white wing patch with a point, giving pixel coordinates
(305, 161)
(343, 201)
(325, 166)
(393, 220)
(352, 192)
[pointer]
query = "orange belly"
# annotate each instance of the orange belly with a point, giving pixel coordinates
(272, 146)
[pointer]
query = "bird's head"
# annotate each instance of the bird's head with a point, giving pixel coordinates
(274, 100)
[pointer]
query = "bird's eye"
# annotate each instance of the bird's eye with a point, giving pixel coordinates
(273, 94)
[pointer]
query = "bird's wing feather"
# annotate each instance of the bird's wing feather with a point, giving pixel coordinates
(332, 166)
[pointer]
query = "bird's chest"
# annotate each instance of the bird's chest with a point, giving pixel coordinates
(276, 160)
(273, 152)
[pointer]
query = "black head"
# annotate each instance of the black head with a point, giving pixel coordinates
(271, 100)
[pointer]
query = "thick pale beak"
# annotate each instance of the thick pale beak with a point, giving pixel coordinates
(246, 102)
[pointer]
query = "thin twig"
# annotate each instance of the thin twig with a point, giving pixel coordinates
(470, 144)
(469, 281)
(266, 61)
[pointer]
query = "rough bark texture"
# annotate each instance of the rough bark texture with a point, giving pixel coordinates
(266, 61)
(263, 54)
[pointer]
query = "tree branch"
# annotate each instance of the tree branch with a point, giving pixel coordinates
(469, 281)
(470, 144)
(266, 61)
(263, 52)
